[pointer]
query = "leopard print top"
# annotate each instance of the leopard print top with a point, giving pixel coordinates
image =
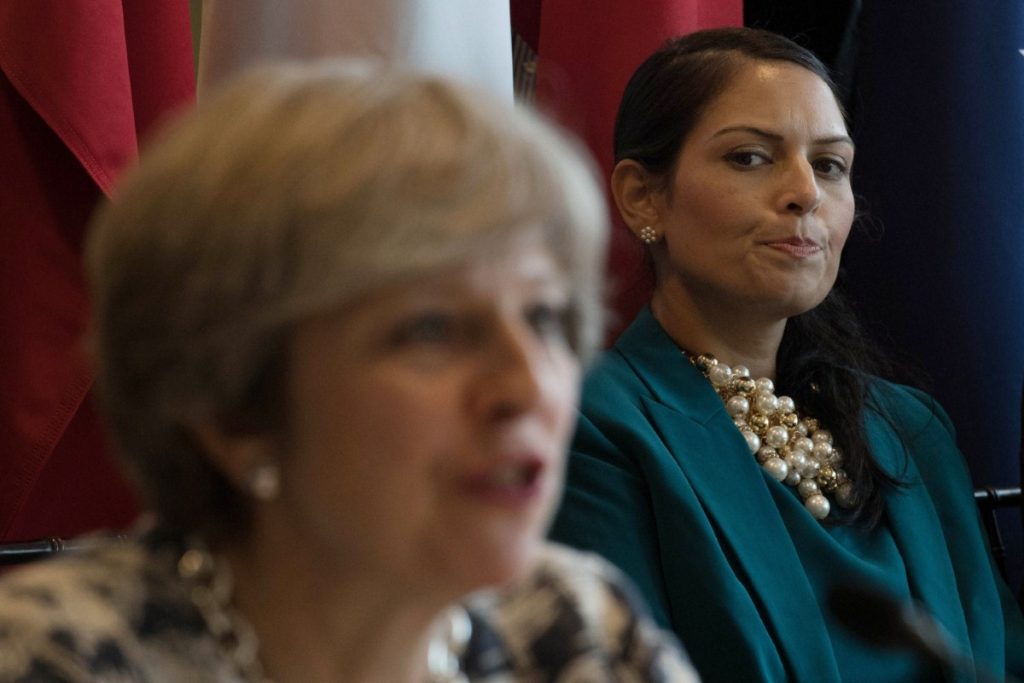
(118, 614)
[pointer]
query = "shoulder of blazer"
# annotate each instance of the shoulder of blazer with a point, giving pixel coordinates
(909, 411)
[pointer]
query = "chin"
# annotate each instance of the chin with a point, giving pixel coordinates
(793, 303)
(494, 549)
(499, 566)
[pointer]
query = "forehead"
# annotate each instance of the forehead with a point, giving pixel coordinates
(521, 260)
(777, 96)
(504, 268)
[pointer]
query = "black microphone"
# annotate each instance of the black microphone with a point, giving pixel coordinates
(888, 623)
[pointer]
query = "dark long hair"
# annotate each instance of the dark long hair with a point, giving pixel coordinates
(825, 362)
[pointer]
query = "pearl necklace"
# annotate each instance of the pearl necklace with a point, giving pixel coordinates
(791, 449)
(211, 586)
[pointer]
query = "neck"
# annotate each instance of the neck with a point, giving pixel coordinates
(318, 622)
(732, 333)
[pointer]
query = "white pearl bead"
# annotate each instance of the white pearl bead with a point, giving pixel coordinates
(753, 440)
(776, 436)
(737, 405)
(766, 385)
(765, 402)
(797, 460)
(786, 404)
(741, 371)
(793, 478)
(804, 444)
(808, 488)
(811, 468)
(766, 453)
(720, 375)
(818, 506)
(776, 468)
(822, 436)
(822, 451)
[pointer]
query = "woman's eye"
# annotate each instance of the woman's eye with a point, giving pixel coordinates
(829, 167)
(747, 159)
(550, 320)
(427, 328)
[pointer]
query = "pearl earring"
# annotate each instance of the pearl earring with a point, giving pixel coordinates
(263, 481)
(648, 235)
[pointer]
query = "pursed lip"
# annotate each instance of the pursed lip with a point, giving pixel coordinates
(797, 247)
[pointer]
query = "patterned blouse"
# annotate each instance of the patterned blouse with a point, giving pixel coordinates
(119, 613)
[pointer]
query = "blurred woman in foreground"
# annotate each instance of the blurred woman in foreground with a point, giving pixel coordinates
(339, 316)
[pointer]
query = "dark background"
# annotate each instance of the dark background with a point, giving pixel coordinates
(935, 268)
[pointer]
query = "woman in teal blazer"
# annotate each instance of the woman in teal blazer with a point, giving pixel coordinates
(733, 535)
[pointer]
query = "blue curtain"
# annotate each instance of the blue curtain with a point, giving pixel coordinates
(937, 109)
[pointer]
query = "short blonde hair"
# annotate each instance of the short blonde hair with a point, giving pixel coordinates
(288, 194)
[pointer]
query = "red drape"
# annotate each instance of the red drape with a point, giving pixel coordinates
(80, 82)
(586, 53)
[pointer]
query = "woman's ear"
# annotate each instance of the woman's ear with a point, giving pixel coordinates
(635, 195)
(247, 460)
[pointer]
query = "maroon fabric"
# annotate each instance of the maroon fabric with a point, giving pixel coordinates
(525, 18)
(79, 81)
(585, 58)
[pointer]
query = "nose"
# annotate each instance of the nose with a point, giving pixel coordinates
(800, 192)
(512, 378)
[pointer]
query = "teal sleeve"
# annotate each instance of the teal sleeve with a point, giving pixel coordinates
(1014, 625)
(1013, 622)
(947, 477)
(606, 509)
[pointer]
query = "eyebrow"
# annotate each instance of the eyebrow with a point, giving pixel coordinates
(778, 138)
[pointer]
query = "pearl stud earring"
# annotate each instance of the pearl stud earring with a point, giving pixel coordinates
(263, 481)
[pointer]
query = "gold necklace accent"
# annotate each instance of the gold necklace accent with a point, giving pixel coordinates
(791, 449)
(211, 587)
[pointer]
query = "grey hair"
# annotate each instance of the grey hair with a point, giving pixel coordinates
(288, 194)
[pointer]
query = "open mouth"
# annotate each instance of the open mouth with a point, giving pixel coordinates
(510, 483)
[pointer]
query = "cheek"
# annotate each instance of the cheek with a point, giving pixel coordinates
(357, 457)
(349, 422)
(705, 211)
(390, 422)
(563, 393)
(842, 223)
(710, 225)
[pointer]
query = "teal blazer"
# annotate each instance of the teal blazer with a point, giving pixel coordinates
(661, 483)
